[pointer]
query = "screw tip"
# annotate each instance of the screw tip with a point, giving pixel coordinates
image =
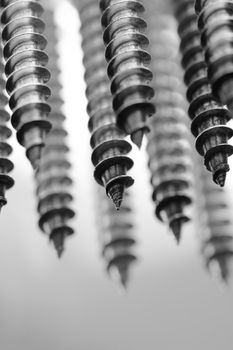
(58, 240)
(221, 179)
(176, 227)
(116, 193)
(137, 137)
(120, 274)
(221, 268)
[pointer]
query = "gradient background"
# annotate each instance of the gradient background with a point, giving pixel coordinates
(171, 304)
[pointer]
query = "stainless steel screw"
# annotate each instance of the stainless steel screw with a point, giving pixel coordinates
(110, 150)
(26, 73)
(128, 65)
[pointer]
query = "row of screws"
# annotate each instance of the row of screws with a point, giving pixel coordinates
(52, 178)
(110, 150)
(128, 62)
(209, 117)
(116, 238)
(26, 73)
(169, 149)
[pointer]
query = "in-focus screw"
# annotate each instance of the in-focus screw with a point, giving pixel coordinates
(110, 150)
(128, 65)
(27, 76)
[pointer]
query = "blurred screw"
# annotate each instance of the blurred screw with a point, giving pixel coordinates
(169, 149)
(215, 227)
(53, 180)
(209, 117)
(26, 74)
(109, 149)
(128, 65)
(116, 238)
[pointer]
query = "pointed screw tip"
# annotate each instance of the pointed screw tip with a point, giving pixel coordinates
(176, 227)
(117, 204)
(137, 138)
(221, 179)
(58, 243)
(116, 195)
(60, 252)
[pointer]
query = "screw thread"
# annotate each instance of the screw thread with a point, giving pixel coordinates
(116, 238)
(168, 147)
(53, 179)
(110, 150)
(6, 165)
(209, 117)
(128, 65)
(26, 73)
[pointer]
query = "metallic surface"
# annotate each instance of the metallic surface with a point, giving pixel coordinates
(215, 23)
(209, 117)
(110, 150)
(128, 65)
(169, 149)
(27, 76)
(6, 164)
(52, 178)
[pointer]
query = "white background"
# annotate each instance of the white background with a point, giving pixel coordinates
(70, 304)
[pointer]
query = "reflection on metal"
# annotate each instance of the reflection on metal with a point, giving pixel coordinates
(128, 62)
(110, 150)
(27, 75)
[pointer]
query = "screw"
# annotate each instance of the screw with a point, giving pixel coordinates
(215, 231)
(128, 62)
(168, 148)
(26, 74)
(109, 148)
(209, 117)
(116, 238)
(53, 180)
(215, 24)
